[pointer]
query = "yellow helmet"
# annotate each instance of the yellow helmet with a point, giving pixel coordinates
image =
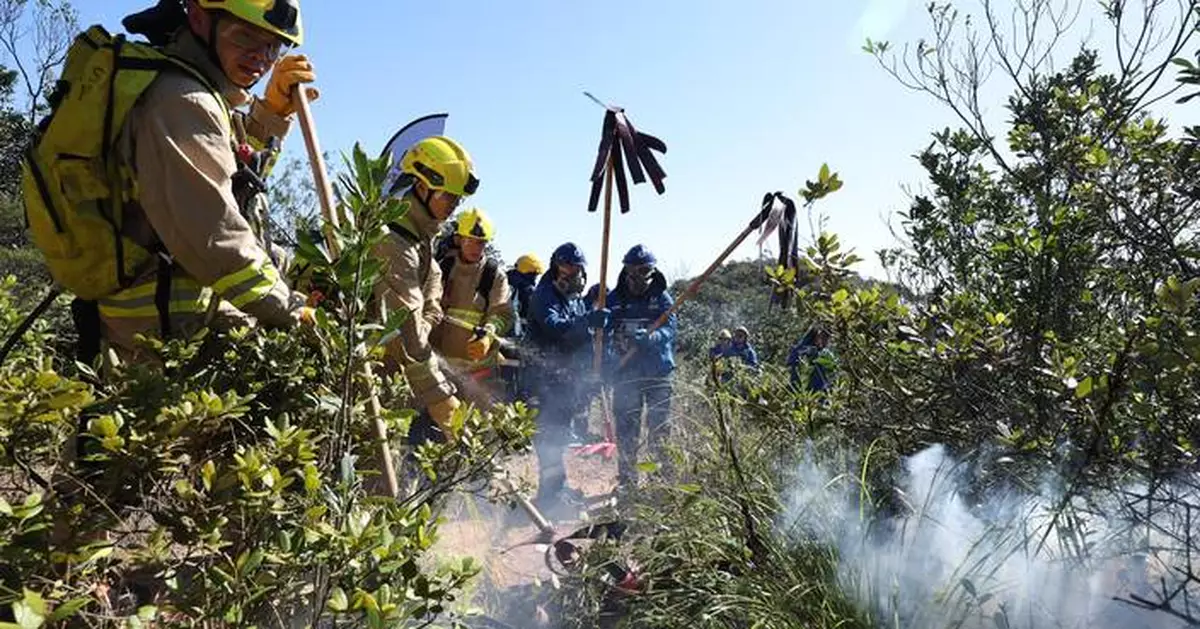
(530, 263)
(442, 164)
(473, 223)
(724, 334)
(281, 17)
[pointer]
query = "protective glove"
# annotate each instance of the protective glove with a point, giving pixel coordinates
(442, 413)
(287, 74)
(598, 318)
(643, 337)
(479, 347)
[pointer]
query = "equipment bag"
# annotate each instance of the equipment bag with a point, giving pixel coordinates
(76, 193)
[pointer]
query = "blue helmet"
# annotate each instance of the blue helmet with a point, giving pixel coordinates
(568, 253)
(639, 255)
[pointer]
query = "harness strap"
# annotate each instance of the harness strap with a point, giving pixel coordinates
(162, 292)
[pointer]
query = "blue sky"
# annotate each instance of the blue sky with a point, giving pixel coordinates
(749, 96)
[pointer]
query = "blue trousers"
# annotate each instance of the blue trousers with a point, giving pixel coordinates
(630, 398)
(561, 404)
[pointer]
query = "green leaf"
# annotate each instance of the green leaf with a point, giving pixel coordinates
(30, 611)
(391, 330)
(253, 561)
(647, 467)
(71, 399)
(1084, 388)
(338, 601)
(100, 553)
(823, 176)
(207, 473)
(312, 478)
(69, 608)
(183, 488)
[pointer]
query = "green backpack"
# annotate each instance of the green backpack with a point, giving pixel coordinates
(75, 191)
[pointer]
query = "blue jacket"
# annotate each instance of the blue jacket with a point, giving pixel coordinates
(522, 286)
(629, 313)
(746, 353)
(558, 329)
(807, 352)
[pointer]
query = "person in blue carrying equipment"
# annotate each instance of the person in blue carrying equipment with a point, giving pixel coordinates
(593, 295)
(741, 349)
(522, 280)
(812, 353)
(560, 333)
(644, 381)
(718, 358)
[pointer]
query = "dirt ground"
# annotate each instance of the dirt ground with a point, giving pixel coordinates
(504, 539)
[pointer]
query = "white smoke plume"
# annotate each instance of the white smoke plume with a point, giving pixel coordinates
(1002, 561)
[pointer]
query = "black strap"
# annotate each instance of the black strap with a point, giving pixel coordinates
(86, 316)
(486, 282)
(162, 292)
(426, 255)
(27, 323)
(446, 264)
(401, 230)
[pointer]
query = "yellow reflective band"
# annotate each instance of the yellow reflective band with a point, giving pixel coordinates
(237, 277)
(500, 322)
(138, 309)
(252, 294)
(248, 285)
(469, 317)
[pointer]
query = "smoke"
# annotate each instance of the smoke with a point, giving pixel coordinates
(1004, 561)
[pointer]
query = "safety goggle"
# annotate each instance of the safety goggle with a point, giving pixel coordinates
(252, 41)
(449, 198)
(640, 270)
(569, 271)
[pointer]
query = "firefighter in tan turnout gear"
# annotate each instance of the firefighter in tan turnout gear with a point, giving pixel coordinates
(181, 147)
(441, 175)
(477, 309)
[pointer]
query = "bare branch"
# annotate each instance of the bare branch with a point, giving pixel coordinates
(44, 27)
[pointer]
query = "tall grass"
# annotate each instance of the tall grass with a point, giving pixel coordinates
(868, 538)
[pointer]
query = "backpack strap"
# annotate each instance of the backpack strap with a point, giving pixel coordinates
(446, 264)
(486, 282)
(166, 263)
(407, 234)
(162, 290)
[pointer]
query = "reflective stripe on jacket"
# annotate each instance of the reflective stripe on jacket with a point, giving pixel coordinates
(413, 282)
(178, 145)
(464, 309)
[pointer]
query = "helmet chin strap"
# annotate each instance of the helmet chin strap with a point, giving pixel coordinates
(426, 200)
(211, 44)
